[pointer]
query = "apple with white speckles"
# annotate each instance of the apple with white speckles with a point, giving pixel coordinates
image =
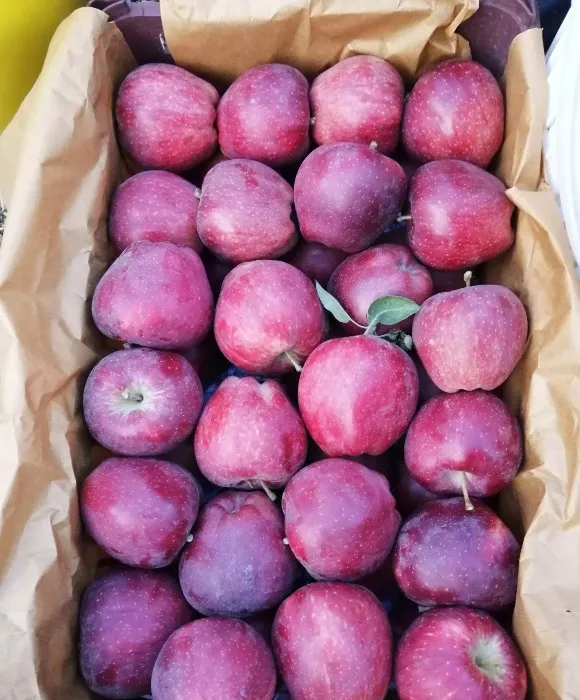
(125, 618)
(458, 653)
(347, 194)
(315, 260)
(456, 110)
(447, 555)
(333, 640)
(340, 519)
(166, 117)
(156, 295)
(268, 317)
(460, 215)
(214, 658)
(471, 338)
(142, 402)
(265, 115)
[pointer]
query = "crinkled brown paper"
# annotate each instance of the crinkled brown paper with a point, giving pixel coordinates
(58, 163)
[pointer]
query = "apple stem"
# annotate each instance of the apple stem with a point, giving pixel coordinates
(297, 366)
(268, 491)
(467, 277)
(197, 193)
(285, 541)
(189, 538)
(404, 217)
(468, 504)
(374, 145)
(132, 396)
(312, 121)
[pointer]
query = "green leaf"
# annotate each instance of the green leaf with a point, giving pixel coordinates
(390, 310)
(333, 305)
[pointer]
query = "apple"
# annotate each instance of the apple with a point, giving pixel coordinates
(333, 640)
(471, 338)
(467, 442)
(214, 658)
(125, 618)
(156, 295)
(250, 436)
(458, 653)
(268, 317)
(245, 212)
(357, 395)
(340, 519)
(358, 100)
(315, 260)
(237, 564)
(384, 270)
(409, 493)
(140, 511)
(141, 402)
(265, 115)
(456, 110)
(346, 194)
(166, 117)
(447, 555)
(460, 215)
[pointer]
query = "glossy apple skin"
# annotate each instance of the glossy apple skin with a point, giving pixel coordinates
(456, 111)
(265, 115)
(346, 194)
(125, 618)
(446, 555)
(315, 260)
(340, 519)
(245, 212)
(460, 215)
(214, 658)
(471, 338)
(357, 395)
(437, 658)
(265, 309)
(358, 100)
(166, 117)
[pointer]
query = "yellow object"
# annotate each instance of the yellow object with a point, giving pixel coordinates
(26, 27)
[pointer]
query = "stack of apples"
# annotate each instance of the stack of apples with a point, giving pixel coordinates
(247, 506)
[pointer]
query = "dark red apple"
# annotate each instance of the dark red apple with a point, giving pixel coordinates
(346, 194)
(457, 111)
(237, 564)
(460, 215)
(340, 519)
(357, 395)
(384, 270)
(471, 338)
(333, 640)
(142, 402)
(156, 295)
(140, 511)
(265, 115)
(126, 616)
(214, 658)
(166, 117)
(458, 653)
(409, 494)
(315, 260)
(268, 317)
(446, 555)
(358, 100)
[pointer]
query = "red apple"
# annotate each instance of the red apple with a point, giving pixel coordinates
(140, 511)
(358, 100)
(385, 270)
(125, 618)
(458, 653)
(154, 206)
(315, 260)
(464, 442)
(446, 555)
(460, 215)
(471, 338)
(245, 212)
(457, 111)
(341, 519)
(357, 395)
(346, 194)
(142, 402)
(250, 435)
(333, 640)
(237, 564)
(156, 295)
(268, 317)
(166, 117)
(265, 115)
(409, 494)
(214, 658)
